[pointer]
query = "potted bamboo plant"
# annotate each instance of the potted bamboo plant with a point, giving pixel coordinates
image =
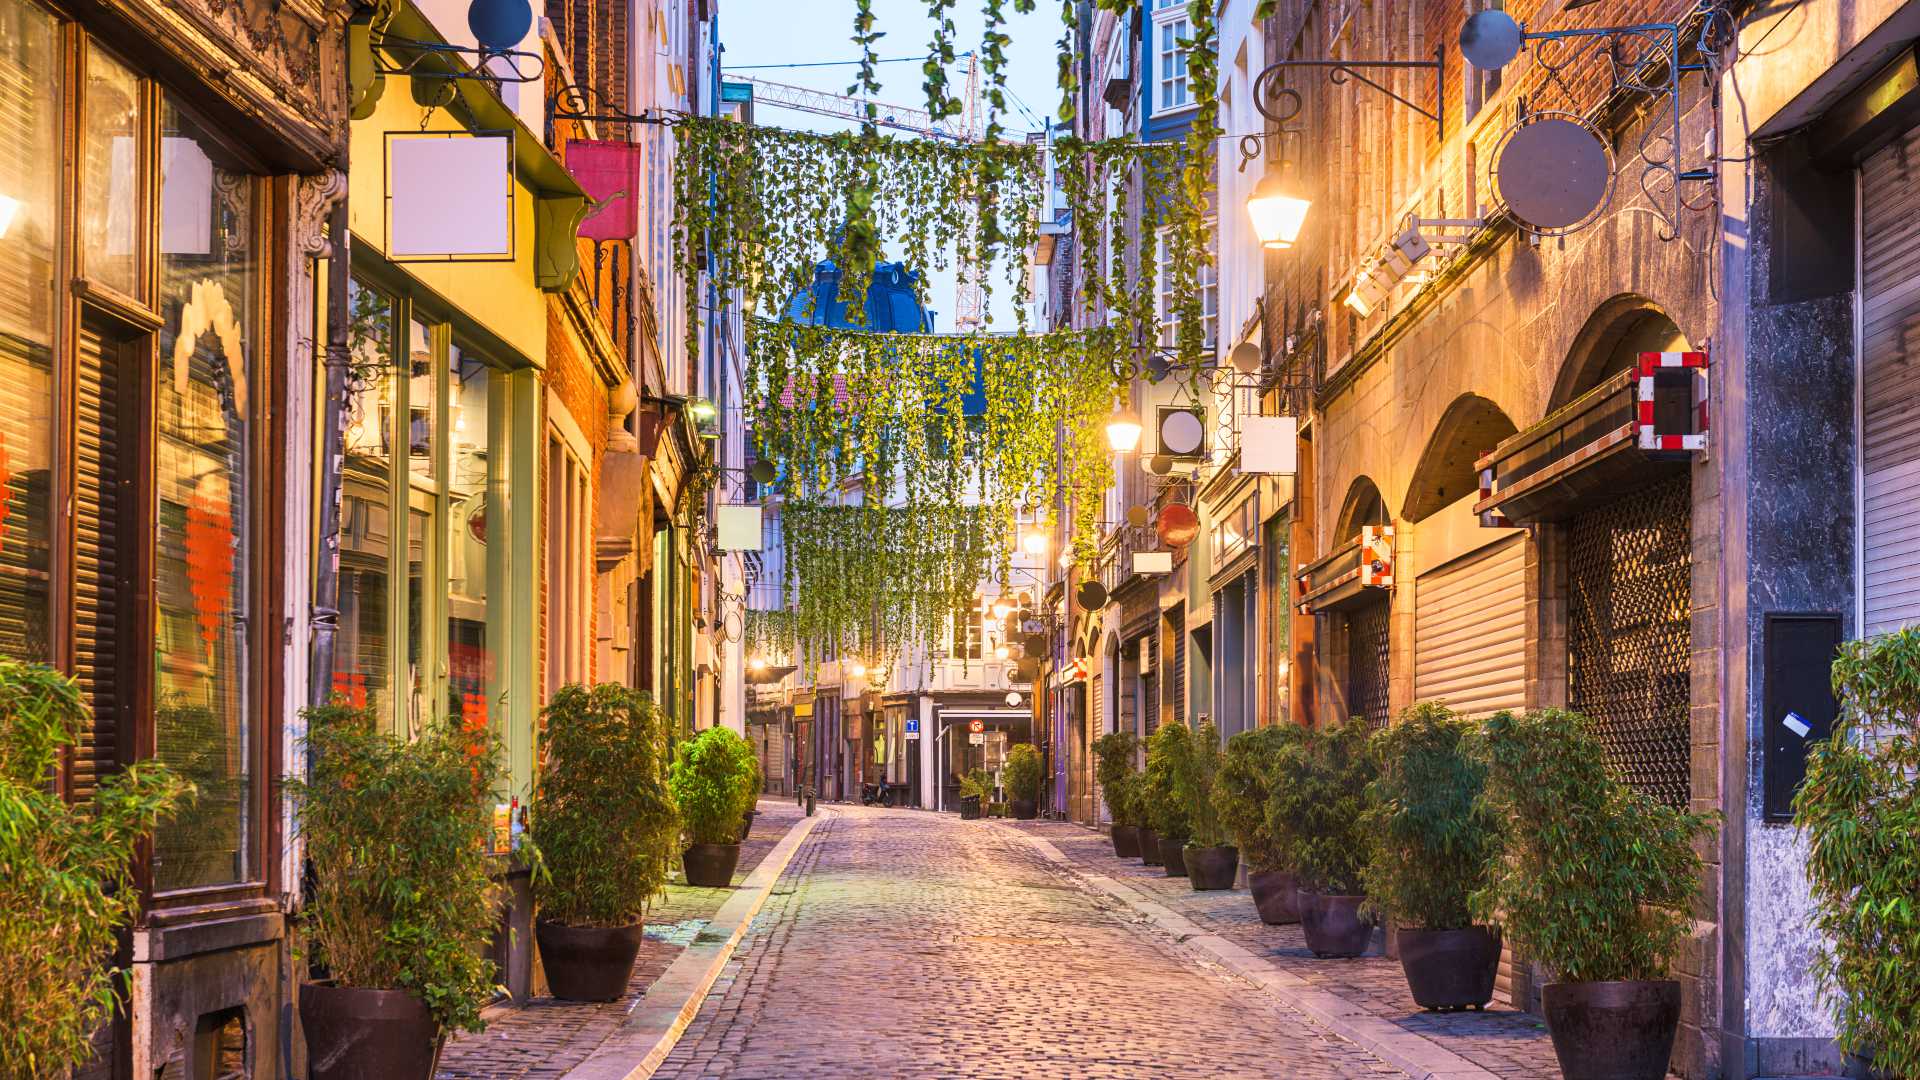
(605, 825)
(1024, 775)
(1113, 755)
(402, 904)
(66, 876)
(1319, 791)
(1167, 749)
(1595, 885)
(1860, 810)
(712, 783)
(1240, 798)
(1430, 844)
(976, 790)
(1211, 861)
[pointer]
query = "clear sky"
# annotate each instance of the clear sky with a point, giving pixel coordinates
(759, 32)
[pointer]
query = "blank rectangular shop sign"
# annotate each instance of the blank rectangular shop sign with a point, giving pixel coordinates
(1268, 445)
(450, 196)
(739, 526)
(1153, 562)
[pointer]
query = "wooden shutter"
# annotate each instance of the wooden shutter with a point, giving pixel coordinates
(1470, 647)
(1890, 385)
(1178, 691)
(99, 522)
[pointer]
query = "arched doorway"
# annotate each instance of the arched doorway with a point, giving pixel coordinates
(1469, 598)
(1628, 566)
(1360, 632)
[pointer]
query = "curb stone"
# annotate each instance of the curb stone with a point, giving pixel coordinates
(660, 1017)
(1419, 1057)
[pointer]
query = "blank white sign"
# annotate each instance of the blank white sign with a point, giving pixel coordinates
(1267, 445)
(449, 195)
(1153, 562)
(739, 527)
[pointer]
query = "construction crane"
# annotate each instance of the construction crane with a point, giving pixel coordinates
(969, 299)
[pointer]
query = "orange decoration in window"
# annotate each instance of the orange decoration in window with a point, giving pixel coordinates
(210, 562)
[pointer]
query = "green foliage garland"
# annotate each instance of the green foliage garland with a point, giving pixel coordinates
(397, 832)
(1860, 810)
(66, 875)
(603, 818)
(1597, 878)
(1431, 837)
(940, 101)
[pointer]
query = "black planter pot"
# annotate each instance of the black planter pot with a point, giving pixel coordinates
(1332, 924)
(969, 807)
(1149, 846)
(1126, 842)
(1612, 1030)
(1450, 969)
(710, 866)
(1211, 867)
(746, 824)
(1173, 856)
(1025, 809)
(355, 1034)
(1276, 893)
(587, 963)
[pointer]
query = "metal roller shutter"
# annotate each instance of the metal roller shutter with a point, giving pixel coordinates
(1890, 385)
(1470, 647)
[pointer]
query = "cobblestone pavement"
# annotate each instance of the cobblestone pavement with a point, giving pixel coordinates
(1500, 1040)
(903, 943)
(546, 1037)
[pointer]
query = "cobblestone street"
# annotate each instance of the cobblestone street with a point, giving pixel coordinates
(902, 943)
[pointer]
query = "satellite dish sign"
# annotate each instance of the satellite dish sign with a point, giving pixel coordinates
(1554, 173)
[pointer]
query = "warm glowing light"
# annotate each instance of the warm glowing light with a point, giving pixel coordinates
(1123, 431)
(9, 209)
(1034, 543)
(858, 670)
(1277, 213)
(1001, 652)
(757, 664)
(1001, 609)
(701, 409)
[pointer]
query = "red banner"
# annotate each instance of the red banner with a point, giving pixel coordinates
(609, 172)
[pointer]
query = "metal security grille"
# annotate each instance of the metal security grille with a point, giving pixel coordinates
(1367, 642)
(1629, 598)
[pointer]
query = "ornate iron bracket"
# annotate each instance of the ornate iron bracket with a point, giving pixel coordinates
(417, 53)
(1282, 103)
(573, 101)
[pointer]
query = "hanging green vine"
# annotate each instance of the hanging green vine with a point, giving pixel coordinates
(940, 55)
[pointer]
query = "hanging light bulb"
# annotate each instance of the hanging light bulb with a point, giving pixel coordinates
(1277, 213)
(1034, 543)
(1123, 430)
(1001, 608)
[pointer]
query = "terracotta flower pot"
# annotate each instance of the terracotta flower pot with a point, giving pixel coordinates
(1149, 846)
(1332, 924)
(356, 1034)
(1126, 842)
(587, 963)
(710, 866)
(1450, 969)
(1173, 856)
(1612, 1030)
(1211, 868)
(1025, 809)
(1276, 893)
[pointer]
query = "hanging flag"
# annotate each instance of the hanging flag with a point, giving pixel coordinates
(609, 172)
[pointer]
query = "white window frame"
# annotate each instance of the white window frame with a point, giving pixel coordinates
(1170, 24)
(571, 614)
(1209, 290)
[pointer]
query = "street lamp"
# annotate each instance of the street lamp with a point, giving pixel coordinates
(1123, 430)
(1277, 214)
(1034, 543)
(757, 664)
(858, 670)
(1001, 608)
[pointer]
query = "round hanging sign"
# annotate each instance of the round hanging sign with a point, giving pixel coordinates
(1092, 595)
(1137, 515)
(1178, 525)
(1180, 433)
(1554, 173)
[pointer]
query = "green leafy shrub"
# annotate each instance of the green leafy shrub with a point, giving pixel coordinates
(1430, 837)
(1245, 784)
(1860, 810)
(397, 832)
(713, 784)
(1113, 767)
(1166, 811)
(1024, 773)
(603, 816)
(1196, 776)
(66, 881)
(1319, 792)
(977, 784)
(1597, 878)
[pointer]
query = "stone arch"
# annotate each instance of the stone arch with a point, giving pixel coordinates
(1471, 426)
(1362, 506)
(1618, 330)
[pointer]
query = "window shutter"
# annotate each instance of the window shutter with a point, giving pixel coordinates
(1890, 385)
(98, 567)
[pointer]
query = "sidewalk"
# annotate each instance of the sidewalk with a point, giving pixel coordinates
(546, 1038)
(1368, 996)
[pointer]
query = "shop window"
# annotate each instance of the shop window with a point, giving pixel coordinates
(30, 97)
(110, 197)
(363, 653)
(475, 566)
(205, 470)
(569, 585)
